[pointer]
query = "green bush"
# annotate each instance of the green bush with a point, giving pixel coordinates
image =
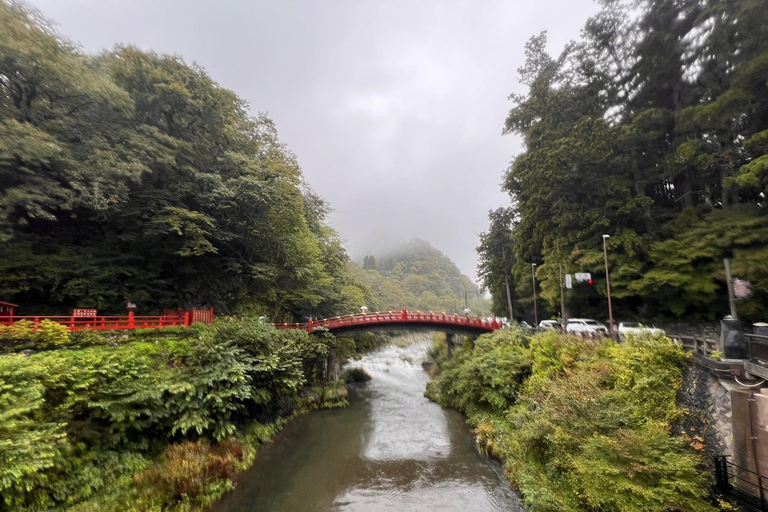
(75, 423)
(487, 377)
(89, 338)
(46, 335)
(50, 334)
(580, 425)
(151, 334)
(192, 472)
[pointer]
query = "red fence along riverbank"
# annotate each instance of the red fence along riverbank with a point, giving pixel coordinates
(81, 319)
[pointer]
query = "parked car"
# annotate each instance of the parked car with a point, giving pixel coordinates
(525, 325)
(550, 325)
(637, 328)
(585, 325)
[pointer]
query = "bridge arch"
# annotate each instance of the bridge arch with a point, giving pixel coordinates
(400, 320)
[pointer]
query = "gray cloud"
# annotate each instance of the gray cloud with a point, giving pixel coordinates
(394, 108)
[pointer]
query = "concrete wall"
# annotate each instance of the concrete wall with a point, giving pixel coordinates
(750, 437)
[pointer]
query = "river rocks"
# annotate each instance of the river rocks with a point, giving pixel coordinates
(357, 375)
(335, 395)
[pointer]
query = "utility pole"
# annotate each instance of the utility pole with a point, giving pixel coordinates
(562, 297)
(535, 310)
(506, 285)
(729, 282)
(608, 285)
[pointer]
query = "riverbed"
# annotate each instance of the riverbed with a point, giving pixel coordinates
(391, 449)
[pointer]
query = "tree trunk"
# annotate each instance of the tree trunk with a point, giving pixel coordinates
(509, 300)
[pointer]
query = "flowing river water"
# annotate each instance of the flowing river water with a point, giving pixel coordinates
(391, 449)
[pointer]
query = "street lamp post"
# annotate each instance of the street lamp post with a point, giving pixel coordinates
(608, 285)
(535, 310)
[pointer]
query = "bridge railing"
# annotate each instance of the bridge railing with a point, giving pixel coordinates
(118, 322)
(399, 317)
(696, 344)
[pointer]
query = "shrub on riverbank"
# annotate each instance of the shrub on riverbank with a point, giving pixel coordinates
(77, 422)
(579, 425)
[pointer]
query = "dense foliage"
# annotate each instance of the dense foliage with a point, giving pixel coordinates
(579, 425)
(134, 176)
(419, 277)
(651, 128)
(80, 422)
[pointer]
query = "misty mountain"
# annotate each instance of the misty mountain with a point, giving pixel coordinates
(420, 277)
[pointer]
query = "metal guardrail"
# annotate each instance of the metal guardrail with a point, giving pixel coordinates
(747, 487)
(758, 346)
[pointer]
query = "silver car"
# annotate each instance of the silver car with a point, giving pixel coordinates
(550, 325)
(637, 328)
(585, 325)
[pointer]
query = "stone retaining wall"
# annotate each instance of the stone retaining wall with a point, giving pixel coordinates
(708, 401)
(697, 329)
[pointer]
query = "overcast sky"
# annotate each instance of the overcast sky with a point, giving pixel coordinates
(394, 108)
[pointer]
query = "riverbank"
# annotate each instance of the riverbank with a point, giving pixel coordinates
(192, 475)
(578, 425)
(150, 422)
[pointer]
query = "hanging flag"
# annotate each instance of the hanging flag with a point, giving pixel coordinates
(741, 288)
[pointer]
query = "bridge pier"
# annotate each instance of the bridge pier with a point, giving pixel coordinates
(333, 371)
(449, 341)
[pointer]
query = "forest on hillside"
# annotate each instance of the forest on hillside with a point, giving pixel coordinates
(132, 175)
(419, 277)
(651, 128)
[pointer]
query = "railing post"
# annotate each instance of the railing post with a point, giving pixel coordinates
(186, 319)
(721, 474)
(130, 319)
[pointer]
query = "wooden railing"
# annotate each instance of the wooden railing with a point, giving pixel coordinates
(180, 318)
(698, 345)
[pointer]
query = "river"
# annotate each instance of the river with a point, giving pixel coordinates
(391, 449)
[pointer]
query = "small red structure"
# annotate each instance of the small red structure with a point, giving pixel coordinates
(6, 308)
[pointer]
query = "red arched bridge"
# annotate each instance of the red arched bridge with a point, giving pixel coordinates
(400, 320)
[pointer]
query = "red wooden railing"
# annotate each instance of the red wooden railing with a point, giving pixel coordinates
(76, 322)
(398, 317)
